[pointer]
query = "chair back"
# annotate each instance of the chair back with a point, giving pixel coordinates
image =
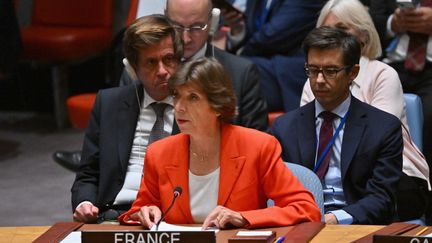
(414, 113)
(76, 13)
(310, 181)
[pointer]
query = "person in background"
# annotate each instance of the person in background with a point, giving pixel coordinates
(192, 18)
(354, 148)
(270, 33)
(227, 172)
(407, 36)
(124, 121)
(378, 84)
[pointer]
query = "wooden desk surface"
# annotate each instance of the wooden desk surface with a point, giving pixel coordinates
(330, 233)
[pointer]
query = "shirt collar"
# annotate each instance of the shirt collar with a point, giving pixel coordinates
(149, 100)
(199, 54)
(340, 110)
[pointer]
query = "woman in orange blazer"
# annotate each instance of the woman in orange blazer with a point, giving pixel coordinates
(227, 172)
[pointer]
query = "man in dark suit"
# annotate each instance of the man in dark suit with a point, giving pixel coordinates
(192, 18)
(406, 33)
(124, 121)
(270, 36)
(354, 148)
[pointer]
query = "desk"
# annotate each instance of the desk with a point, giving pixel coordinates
(330, 233)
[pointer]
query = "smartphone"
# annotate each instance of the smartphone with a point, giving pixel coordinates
(407, 4)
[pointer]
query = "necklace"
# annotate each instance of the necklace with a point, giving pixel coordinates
(201, 158)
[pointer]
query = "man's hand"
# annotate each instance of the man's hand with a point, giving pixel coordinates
(234, 20)
(223, 218)
(86, 213)
(416, 20)
(330, 218)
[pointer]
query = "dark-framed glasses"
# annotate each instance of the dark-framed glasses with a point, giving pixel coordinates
(193, 30)
(169, 60)
(328, 72)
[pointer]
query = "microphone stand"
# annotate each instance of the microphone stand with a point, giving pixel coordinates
(176, 194)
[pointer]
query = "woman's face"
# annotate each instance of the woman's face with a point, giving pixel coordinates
(192, 110)
(331, 20)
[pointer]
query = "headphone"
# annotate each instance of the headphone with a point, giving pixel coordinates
(130, 70)
(214, 22)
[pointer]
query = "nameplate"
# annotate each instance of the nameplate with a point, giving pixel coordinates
(148, 236)
(400, 239)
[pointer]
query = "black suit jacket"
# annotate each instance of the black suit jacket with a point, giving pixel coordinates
(252, 109)
(107, 146)
(380, 11)
(371, 159)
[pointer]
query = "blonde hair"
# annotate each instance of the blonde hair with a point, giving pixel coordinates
(354, 14)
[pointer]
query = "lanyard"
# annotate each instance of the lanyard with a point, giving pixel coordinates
(330, 144)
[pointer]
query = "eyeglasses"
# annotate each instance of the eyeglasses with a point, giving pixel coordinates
(328, 72)
(193, 30)
(168, 60)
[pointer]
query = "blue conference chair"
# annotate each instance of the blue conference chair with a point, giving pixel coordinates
(310, 181)
(414, 114)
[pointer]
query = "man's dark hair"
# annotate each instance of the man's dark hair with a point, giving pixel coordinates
(332, 38)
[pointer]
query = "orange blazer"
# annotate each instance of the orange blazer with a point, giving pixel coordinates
(251, 171)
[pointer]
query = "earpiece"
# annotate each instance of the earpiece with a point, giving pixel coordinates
(130, 70)
(214, 23)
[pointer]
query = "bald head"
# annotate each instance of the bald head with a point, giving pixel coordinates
(204, 4)
(190, 13)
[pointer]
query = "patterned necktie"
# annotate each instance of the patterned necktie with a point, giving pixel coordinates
(157, 131)
(416, 54)
(326, 134)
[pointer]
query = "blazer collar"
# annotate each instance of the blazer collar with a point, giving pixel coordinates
(128, 112)
(353, 133)
(231, 164)
(307, 136)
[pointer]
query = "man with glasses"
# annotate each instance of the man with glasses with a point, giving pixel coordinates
(124, 121)
(354, 148)
(192, 18)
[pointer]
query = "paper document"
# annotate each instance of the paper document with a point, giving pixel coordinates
(171, 227)
(73, 237)
(254, 233)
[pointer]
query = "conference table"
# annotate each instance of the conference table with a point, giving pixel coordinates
(330, 233)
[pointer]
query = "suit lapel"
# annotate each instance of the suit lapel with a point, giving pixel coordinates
(306, 138)
(178, 174)
(126, 124)
(353, 132)
(231, 164)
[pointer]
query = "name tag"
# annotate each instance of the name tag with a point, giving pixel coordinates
(148, 236)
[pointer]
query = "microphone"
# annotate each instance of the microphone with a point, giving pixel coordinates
(176, 193)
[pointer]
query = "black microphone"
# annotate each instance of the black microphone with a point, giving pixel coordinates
(177, 192)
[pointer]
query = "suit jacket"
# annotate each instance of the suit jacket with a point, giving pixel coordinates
(107, 146)
(378, 84)
(251, 171)
(380, 11)
(252, 109)
(276, 48)
(371, 156)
